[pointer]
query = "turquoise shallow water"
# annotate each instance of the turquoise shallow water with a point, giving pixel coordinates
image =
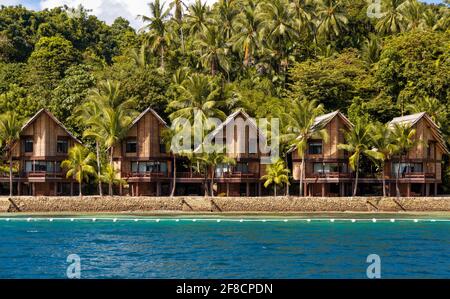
(38, 248)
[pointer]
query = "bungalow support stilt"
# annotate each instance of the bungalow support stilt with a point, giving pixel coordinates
(435, 189)
(323, 190)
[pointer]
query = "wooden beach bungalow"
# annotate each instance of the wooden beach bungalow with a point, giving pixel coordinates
(44, 143)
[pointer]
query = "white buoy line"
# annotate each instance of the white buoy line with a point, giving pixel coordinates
(219, 220)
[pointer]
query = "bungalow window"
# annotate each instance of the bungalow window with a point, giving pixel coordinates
(162, 148)
(407, 168)
(131, 146)
(222, 169)
(242, 167)
(148, 167)
(28, 166)
(62, 146)
(315, 147)
(28, 145)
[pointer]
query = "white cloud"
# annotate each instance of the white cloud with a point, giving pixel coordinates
(108, 10)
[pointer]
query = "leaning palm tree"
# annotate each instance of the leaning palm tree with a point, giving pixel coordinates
(383, 144)
(403, 136)
(393, 18)
(79, 165)
(301, 127)
(10, 128)
(303, 12)
(111, 176)
(358, 143)
(158, 34)
(277, 175)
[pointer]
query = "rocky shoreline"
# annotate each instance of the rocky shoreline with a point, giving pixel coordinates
(97, 204)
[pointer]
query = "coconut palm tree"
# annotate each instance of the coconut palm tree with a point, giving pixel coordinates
(246, 38)
(414, 15)
(331, 19)
(393, 18)
(277, 175)
(432, 106)
(358, 141)
(403, 137)
(10, 128)
(111, 176)
(158, 31)
(213, 49)
(382, 143)
(303, 12)
(371, 49)
(141, 57)
(79, 165)
(226, 14)
(199, 97)
(301, 126)
(197, 17)
(276, 26)
(89, 114)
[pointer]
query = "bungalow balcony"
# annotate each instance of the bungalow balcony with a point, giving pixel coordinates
(43, 174)
(147, 174)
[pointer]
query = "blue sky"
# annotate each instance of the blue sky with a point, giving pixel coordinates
(106, 10)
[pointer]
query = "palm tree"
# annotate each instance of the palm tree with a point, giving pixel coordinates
(79, 165)
(142, 56)
(358, 143)
(197, 17)
(211, 158)
(403, 140)
(168, 136)
(113, 115)
(199, 97)
(371, 49)
(302, 10)
(276, 26)
(178, 16)
(331, 19)
(246, 38)
(393, 19)
(111, 176)
(158, 34)
(301, 127)
(226, 14)
(383, 144)
(432, 106)
(10, 128)
(414, 14)
(89, 113)
(277, 175)
(213, 50)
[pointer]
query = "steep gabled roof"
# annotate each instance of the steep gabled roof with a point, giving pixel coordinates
(229, 119)
(323, 120)
(43, 110)
(159, 118)
(413, 119)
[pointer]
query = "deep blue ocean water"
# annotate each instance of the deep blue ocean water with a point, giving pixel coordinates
(208, 249)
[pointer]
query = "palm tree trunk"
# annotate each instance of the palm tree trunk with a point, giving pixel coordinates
(287, 184)
(10, 175)
(357, 177)
(397, 178)
(213, 67)
(275, 190)
(384, 180)
(302, 169)
(99, 166)
(111, 161)
(174, 179)
(212, 182)
(162, 57)
(80, 189)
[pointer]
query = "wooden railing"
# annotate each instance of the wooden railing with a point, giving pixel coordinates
(43, 174)
(145, 175)
(239, 175)
(189, 175)
(419, 175)
(328, 175)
